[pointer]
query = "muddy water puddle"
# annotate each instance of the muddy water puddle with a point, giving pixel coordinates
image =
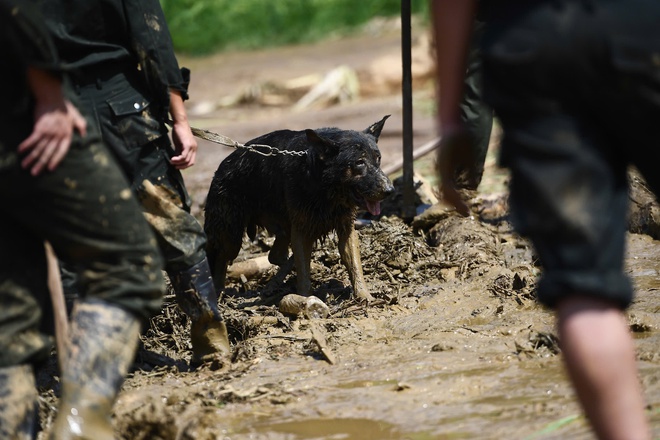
(456, 366)
(478, 401)
(462, 354)
(339, 429)
(449, 359)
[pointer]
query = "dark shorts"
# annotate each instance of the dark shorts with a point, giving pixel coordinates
(576, 85)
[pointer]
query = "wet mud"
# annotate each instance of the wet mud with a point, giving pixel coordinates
(454, 345)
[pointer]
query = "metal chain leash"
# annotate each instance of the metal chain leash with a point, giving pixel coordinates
(264, 150)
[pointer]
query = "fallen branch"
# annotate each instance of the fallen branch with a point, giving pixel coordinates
(319, 337)
(417, 153)
(251, 268)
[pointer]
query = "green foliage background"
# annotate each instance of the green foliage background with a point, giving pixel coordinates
(204, 26)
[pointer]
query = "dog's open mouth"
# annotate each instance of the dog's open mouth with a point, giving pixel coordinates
(372, 206)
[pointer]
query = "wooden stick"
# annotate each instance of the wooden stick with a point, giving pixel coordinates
(417, 153)
(59, 306)
(251, 268)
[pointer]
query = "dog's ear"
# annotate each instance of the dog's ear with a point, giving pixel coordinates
(376, 128)
(324, 147)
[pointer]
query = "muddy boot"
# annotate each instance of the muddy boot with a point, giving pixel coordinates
(69, 285)
(210, 343)
(18, 403)
(103, 341)
(198, 299)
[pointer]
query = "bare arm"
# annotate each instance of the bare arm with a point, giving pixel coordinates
(55, 120)
(184, 141)
(452, 27)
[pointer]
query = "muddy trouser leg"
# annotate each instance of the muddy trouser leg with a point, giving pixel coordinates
(22, 340)
(85, 209)
(140, 144)
(182, 241)
(476, 115)
(18, 403)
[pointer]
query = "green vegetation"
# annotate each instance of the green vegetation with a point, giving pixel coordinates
(204, 26)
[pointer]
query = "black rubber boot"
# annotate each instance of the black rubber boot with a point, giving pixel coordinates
(18, 403)
(103, 340)
(196, 295)
(69, 285)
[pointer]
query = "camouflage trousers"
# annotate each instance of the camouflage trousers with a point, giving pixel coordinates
(137, 137)
(86, 210)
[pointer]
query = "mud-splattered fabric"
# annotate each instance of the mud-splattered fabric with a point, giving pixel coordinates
(577, 89)
(122, 112)
(85, 209)
(18, 403)
(123, 66)
(97, 35)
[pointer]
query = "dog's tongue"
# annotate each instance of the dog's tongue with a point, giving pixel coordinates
(373, 207)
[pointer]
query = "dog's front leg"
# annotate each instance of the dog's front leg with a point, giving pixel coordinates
(281, 274)
(349, 250)
(302, 256)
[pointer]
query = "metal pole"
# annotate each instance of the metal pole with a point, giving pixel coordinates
(408, 208)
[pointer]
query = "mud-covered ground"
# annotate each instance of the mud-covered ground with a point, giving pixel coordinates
(454, 346)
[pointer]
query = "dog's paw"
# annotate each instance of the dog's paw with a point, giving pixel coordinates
(364, 295)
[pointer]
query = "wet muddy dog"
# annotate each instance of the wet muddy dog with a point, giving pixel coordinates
(315, 187)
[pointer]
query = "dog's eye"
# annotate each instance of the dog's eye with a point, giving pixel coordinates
(360, 163)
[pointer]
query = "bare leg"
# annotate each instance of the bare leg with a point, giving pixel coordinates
(600, 357)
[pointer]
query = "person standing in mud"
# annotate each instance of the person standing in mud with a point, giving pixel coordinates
(126, 75)
(476, 115)
(59, 183)
(576, 86)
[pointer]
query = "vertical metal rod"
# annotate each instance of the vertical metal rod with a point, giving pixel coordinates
(408, 208)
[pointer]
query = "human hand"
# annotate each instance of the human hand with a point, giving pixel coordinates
(185, 145)
(55, 120)
(455, 151)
